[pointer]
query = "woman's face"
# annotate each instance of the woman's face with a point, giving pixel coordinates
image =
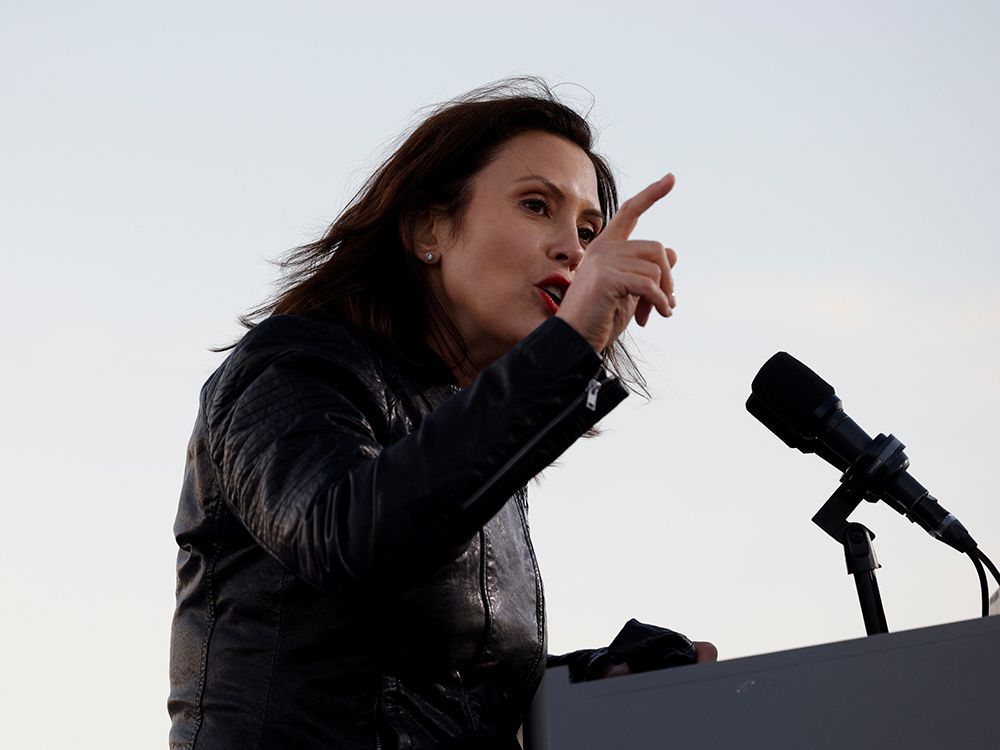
(531, 214)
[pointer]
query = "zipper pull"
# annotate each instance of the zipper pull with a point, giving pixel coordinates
(592, 389)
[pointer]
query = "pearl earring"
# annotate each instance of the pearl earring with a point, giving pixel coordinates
(429, 257)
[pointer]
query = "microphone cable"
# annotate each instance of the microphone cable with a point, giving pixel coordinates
(983, 588)
(979, 558)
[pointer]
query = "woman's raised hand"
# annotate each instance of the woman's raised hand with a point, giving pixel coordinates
(620, 278)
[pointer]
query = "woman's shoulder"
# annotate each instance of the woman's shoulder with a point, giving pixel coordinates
(291, 334)
(297, 338)
(293, 347)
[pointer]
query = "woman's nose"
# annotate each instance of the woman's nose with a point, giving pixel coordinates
(567, 249)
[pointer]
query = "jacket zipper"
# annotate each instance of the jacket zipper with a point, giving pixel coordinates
(378, 729)
(593, 388)
(589, 396)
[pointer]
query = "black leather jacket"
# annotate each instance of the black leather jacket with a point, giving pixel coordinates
(355, 568)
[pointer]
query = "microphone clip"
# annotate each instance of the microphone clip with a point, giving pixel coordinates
(865, 479)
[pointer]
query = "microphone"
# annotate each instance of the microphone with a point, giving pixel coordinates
(803, 410)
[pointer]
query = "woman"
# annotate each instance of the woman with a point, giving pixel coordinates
(355, 568)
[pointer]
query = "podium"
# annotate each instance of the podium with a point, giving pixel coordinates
(935, 687)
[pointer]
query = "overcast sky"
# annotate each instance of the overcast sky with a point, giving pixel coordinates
(837, 188)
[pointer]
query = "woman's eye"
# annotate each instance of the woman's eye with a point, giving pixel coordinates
(587, 234)
(536, 206)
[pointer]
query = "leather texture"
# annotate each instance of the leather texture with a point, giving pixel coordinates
(355, 567)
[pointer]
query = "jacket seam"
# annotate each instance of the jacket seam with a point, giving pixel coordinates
(209, 631)
(274, 658)
(484, 593)
(539, 591)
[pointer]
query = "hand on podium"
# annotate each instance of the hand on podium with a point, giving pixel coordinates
(704, 652)
(637, 648)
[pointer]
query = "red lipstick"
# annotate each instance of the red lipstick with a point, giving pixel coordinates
(553, 290)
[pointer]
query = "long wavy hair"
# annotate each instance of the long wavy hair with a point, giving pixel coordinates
(363, 272)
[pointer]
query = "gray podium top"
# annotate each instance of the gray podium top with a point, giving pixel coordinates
(934, 687)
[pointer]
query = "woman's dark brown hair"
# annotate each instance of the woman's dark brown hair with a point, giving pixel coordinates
(363, 270)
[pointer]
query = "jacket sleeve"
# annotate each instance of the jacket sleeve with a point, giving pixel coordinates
(294, 431)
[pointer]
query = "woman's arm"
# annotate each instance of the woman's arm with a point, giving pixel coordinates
(293, 421)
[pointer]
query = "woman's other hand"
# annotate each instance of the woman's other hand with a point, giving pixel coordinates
(621, 278)
(705, 651)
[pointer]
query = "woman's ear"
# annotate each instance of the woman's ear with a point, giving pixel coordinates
(428, 232)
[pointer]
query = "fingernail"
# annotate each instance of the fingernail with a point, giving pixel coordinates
(673, 299)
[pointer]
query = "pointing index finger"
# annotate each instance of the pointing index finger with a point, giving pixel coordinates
(621, 226)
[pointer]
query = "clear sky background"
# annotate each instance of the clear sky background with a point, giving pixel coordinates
(837, 189)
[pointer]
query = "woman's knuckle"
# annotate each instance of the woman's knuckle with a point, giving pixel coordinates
(650, 248)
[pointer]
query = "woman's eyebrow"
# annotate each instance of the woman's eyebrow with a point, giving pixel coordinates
(590, 211)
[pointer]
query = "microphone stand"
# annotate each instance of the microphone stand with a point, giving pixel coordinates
(856, 538)
(862, 563)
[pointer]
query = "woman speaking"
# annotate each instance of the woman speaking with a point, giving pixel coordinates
(355, 568)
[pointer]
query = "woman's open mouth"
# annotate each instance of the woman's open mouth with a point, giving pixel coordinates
(552, 290)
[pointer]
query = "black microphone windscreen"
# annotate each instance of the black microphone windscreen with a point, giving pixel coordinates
(771, 421)
(791, 391)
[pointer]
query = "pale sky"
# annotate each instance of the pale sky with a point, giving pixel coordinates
(837, 181)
